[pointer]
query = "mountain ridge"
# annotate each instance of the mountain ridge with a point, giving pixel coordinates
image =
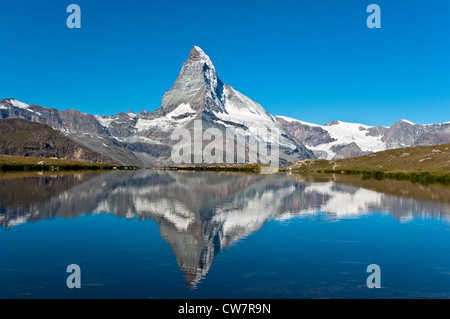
(337, 139)
(31, 139)
(144, 138)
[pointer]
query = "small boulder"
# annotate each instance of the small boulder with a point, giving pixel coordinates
(404, 154)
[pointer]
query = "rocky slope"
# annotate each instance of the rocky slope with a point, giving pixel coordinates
(25, 138)
(337, 140)
(84, 129)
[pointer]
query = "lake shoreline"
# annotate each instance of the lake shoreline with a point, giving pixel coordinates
(11, 163)
(414, 177)
(256, 168)
(424, 164)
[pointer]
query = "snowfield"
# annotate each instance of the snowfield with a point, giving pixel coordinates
(344, 133)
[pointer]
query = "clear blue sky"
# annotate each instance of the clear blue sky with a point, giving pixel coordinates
(313, 60)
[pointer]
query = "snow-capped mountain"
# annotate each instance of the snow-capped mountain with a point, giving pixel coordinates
(198, 94)
(337, 140)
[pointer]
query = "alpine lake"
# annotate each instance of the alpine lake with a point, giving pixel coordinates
(186, 235)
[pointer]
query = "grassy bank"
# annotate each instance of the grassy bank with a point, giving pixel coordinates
(425, 164)
(18, 163)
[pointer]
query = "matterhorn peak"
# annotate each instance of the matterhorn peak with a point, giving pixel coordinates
(197, 54)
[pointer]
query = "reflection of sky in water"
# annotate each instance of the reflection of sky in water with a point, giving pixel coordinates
(268, 228)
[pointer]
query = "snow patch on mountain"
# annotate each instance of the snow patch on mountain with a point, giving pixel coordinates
(181, 110)
(406, 121)
(346, 133)
(290, 120)
(165, 123)
(19, 104)
(343, 133)
(239, 110)
(248, 112)
(104, 120)
(168, 122)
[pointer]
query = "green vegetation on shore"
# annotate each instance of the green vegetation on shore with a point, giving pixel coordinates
(425, 164)
(22, 163)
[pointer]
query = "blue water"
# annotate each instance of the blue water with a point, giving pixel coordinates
(292, 252)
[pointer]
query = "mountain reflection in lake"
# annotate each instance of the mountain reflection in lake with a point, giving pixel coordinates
(200, 214)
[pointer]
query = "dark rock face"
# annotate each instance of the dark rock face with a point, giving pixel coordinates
(67, 121)
(82, 128)
(347, 151)
(404, 134)
(376, 131)
(196, 85)
(25, 138)
(123, 126)
(309, 135)
(440, 137)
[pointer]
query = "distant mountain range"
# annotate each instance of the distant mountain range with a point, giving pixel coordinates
(143, 139)
(25, 138)
(338, 140)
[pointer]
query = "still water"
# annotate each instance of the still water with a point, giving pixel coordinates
(162, 234)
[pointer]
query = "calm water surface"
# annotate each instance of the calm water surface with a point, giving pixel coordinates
(160, 234)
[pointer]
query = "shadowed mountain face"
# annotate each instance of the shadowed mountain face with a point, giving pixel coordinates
(201, 213)
(25, 138)
(80, 128)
